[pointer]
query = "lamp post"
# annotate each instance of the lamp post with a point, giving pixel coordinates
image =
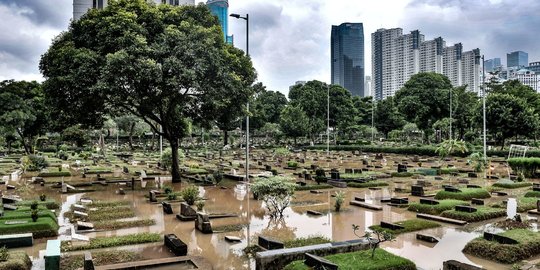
(451, 93)
(246, 18)
(484, 105)
(328, 120)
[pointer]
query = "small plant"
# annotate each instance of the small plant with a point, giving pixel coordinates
(168, 190)
(34, 215)
(479, 161)
(190, 194)
(42, 197)
(4, 254)
(292, 164)
(276, 192)
(218, 176)
(340, 197)
(200, 205)
(34, 205)
(374, 242)
(172, 196)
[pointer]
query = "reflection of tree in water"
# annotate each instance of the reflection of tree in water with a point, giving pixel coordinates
(277, 228)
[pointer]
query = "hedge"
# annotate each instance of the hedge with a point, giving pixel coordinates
(113, 241)
(17, 261)
(528, 166)
(466, 194)
(482, 213)
(55, 174)
(443, 205)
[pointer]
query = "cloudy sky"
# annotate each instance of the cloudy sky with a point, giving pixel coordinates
(289, 39)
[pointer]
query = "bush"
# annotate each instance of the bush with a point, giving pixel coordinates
(276, 192)
(113, 241)
(190, 194)
(466, 194)
(526, 166)
(292, 164)
(42, 197)
(532, 194)
(34, 205)
(513, 185)
(17, 261)
(200, 205)
(4, 254)
(482, 213)
(340, 197)
(402, 174)
(55, 174)
(34, 163)
(367, 184)
(313, 187)
(443, 205)
(411, 225)
(306, 241)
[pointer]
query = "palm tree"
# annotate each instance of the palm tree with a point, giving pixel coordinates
(449, 147)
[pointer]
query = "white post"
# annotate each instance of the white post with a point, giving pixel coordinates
(484, 106)
(328, 121)
(160, 141)
(451, 92)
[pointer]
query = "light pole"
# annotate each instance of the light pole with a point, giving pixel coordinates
(328, 120)
(246, 18)
(372, 117)
(484, 105)
(451, 93)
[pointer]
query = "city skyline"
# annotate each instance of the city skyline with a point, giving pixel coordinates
(347, 57)
(302, 50)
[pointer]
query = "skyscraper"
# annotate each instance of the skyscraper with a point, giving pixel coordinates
(517, 59)
(80, 7)
(397, 57)
(347, 57)
(220, 8)
(492, 64)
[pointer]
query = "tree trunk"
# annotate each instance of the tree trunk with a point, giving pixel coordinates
(131, 128)
(153, 141)
(27, 148)
(175, 170)
(225, 137)
(295, 144)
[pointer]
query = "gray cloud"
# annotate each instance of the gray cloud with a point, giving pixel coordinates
(42, 12)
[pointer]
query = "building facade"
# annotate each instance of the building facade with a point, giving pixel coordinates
(492, 64)
(534, 66)
(397, 57)
(347, 57)
(517, 59)
(526, 77)
(80, 7)
(220, 8)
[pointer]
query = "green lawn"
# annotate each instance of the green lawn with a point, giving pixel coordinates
(362, 260)
(410, 226)
(367, 184)
(306, 241)
(17, 261)
(443, 205)
(114, 241)
(466, 194)
(45, 226)
(512, 185)
(482, 213)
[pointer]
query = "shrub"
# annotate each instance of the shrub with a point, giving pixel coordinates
(218, 176)
(172, 196)
(402, 174)
(276, 192)
(190, 194)
(34, 205)
(367, 184)
(168, 189)
(200, 205)
(532, 194)
(42, 197)
(4, 254)
(512, 185)
(526, 166)
(34, 163)
(292, 164)
(443, 205)
(340, 197)
(411, 225)
(17, 261)
(34, 215)
(113, 241)
(466, 194)
(482, 213)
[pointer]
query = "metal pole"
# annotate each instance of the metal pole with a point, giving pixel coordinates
(160, 141)
(451, 92)
(484, 105)
(328, 120)
(247, 117)
(372, 118)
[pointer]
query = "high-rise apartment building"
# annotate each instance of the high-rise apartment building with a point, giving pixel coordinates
(492, 64)
(397, 57)
(517, 59)
(220, 8)
(526, 77)
(347, 57)
(80, 7)
(367, 87)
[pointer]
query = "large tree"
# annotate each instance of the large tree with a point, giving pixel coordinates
(23, 111)
(164, 64)
(267, 107)
(294, 122)
(424, 99)
(387, 117)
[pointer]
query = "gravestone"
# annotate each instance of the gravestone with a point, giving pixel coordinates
(427, 238)
(334, 175)
(202, 223)
(536, 187)
(52, 255)
(232, 239)
(417, 191)
(167, 208)
(399, 201)
(391, 226)
(269, 244)
(84, 226)
(452, 189)
(121, 191)
(307, 176)
(177, 246)
(152, 196)
(316, 262)
(455, 265)
(401, 168)
(429, 202)
(473, 186)
(313, 212)
(88, 261)
(477, 201)
(465, 208)
(500, 239)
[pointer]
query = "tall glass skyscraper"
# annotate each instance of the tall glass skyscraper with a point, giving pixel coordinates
(347, 53)
(220, 8)
(517, 59)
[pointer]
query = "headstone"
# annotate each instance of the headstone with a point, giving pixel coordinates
(401, 168)
(121, 191)
(88, 261)
(152, 196)
(399, 200)
(125, 170)
(202, 223)
(84, 226)
(167, 208)
(52, 255)
(187, 210)
(177, 246)
(391, 226)
(477, 201)
(86, 201)
(316, 262)
(500, 239)
(315, 213)
(80, 214)
(307, 176)
(452, 189)
(417, 190)
(428, 201)
(427, 238)
(232, 239)
(16, 240)
(269, 244)
(455, 265)
(10, 207)
(473, 186)
(465, 208)
(10, 186)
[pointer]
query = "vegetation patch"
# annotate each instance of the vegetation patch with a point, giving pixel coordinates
(528, 246)
(306, 241)
(367, 184)
(362, 260)
(532, 194)
(443, 205)
(55, 174)
(402, 174)
(49, 204)
(16, 261)
(466, 194)
(411, 225)
(114, 241)
(513, 185)
(527, 166)
(523, 204)
(229, 228)
(482, 213)
(313, 187)
(74, 262)
(116, 225)
(45, 225)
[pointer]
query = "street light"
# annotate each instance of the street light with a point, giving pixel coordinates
(328, 121)
(484, 104)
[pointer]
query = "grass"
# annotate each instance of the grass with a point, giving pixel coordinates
(313, 187)
(306, 241)
(346, 176)
(362, 260)
(482, 213)
(528, 246)
(402, 174)
(229, 228)
(411, 225)
(443, 205)
(17, 261)
(114, 241)
(367, 184)
(532, 194)
(513, 185)
(115, 225)
(106, 211)
(49, 204)
(55, 174)
(466, 194)
(73, 262)
(45, 226)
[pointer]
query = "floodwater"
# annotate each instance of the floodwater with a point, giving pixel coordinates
(295, 224)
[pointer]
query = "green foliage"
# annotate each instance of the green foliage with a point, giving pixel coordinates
(367, 184)
(482, 213)
(276, 192)
(402, 174)
(4, 254)
(172, 196)
(33, 163)
(190, 194)
(113, 241)
(294, 121)
(313, 187)
(266, 108)
(45, 226)
(450, 147)
(17, 261)
(339, 199)
(526, 166)
(306, 241)
(76, 134)
(362, 260)
(116, 225)
(54, 174)
(74, 262)
(466, 194)
(411, 225)
(479, 161)
(200, 205)
(387, 116)
(168, 190)
(443, 205)
(34, 205)
(292, 164)
(166, 158)
(42, 197)
(512, 185)
(528, 246)
(532, 194)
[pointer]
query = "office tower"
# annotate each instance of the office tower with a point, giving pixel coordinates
(347, 57)
(368, 92)
(80, 7)
(517, 59)
(397, 57)
(220, 8)
(534, 66)
(492, 64)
